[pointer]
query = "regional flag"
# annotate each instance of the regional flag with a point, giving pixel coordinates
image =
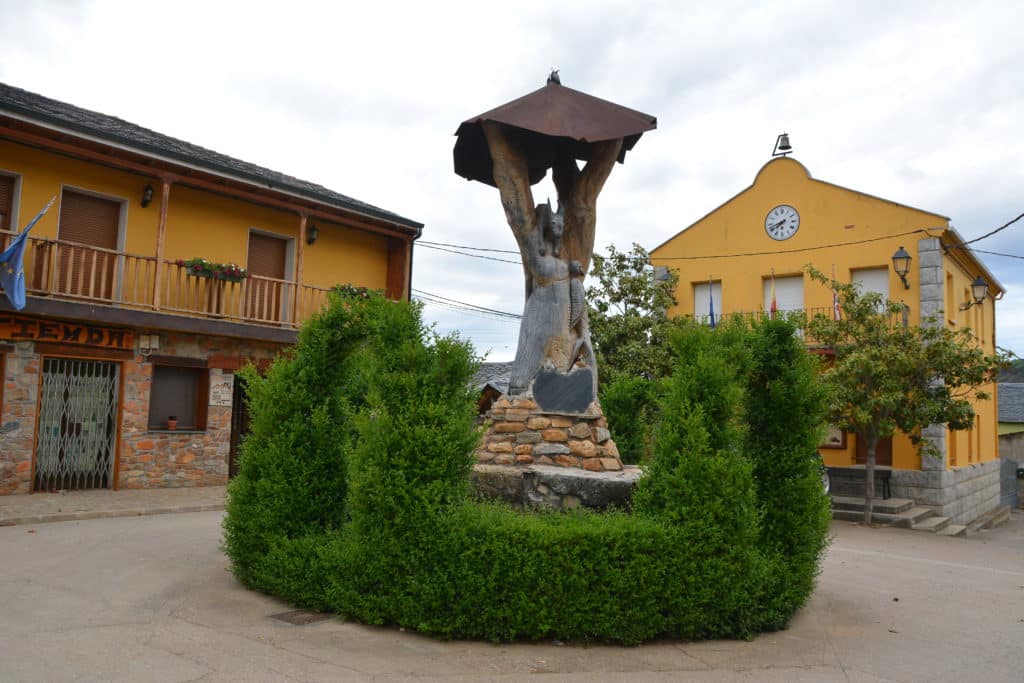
(835, 296)
(775, 306)
(12, 273)
(711, 303)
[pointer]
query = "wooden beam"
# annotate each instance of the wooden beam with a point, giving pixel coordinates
(299, 255)
(161, 231)
(397, 286)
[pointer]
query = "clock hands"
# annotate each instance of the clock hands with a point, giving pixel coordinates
(779, 224)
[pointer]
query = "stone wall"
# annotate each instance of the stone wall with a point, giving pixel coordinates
(18, 418)
(1011, 448)
(553, 487)
(517, 432)
(963, 494)
(146, 458)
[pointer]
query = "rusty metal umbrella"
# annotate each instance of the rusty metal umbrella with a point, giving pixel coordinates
(547, 123)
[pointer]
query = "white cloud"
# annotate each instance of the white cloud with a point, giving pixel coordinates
(919, 103)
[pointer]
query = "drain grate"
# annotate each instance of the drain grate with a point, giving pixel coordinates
(301, 617)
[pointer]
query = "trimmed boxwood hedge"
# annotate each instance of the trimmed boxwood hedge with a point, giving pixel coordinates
(353, 497)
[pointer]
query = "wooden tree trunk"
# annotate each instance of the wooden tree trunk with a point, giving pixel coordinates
(550, 335)
(869, 479)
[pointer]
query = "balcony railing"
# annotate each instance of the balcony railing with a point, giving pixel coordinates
(79, 272)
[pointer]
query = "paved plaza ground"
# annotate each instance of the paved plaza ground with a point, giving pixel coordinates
(150, 598)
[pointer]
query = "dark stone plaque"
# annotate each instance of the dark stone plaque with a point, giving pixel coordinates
(564, 393)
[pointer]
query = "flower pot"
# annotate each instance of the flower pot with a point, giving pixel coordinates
(172, 423)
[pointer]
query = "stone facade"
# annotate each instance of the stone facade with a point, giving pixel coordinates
(146, 458)
(18, 417)
(553, 487)
(517, 432)
(963, 493)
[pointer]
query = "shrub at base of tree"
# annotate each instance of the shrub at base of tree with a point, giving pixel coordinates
(353, 497)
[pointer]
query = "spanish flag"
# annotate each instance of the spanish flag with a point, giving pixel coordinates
(775, 306)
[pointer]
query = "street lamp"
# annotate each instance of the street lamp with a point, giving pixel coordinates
(979, 290)
(901, 264)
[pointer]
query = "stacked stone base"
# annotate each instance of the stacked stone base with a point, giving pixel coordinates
(518, 432)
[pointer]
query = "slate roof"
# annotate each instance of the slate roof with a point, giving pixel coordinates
(53, 113)
(495, 374)
(1011, 402)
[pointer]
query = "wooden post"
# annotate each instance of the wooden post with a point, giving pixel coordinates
(299, 258)
(397, 286)
(161, 231)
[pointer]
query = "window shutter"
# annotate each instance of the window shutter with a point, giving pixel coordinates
(85, 219)
(267, 256)
(789, 293)
(6, 202)
(873, 280)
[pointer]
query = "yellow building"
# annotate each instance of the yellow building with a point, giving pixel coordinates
(786, 220)
(119, 370)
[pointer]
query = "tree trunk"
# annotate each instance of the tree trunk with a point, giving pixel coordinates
(869, 478)
(556, 247)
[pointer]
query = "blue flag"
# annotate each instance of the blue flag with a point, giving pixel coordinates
(12, 272)
(711, 303)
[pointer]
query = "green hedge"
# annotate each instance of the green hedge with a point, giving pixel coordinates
(353, 497)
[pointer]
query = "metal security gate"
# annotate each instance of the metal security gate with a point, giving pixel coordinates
(75, 444)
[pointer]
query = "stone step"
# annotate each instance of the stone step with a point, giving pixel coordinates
(954, 530)
(900, 519)
(888, 506)
(933, 524)
(910, 519)
(992, 518)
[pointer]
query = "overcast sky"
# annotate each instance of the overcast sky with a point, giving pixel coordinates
(918, 102)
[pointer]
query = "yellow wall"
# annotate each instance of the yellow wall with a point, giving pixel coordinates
(829, 215)
(199, 223)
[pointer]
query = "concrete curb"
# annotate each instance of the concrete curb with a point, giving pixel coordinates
(48, 517)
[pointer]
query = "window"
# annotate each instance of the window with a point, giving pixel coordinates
(789, 293)
(181, 392)
(89, 229)
(704, 293)
(8, 194)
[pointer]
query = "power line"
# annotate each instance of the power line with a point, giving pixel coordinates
(463, 310)
(992, 253)
(787, 251)
(463, 246)
(462, 253)
(1004, 226)
(465, 306)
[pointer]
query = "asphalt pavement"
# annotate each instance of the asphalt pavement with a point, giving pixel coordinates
(151, 599)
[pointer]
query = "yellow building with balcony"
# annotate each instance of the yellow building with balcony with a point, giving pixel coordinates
(161, 269)
(761, 240)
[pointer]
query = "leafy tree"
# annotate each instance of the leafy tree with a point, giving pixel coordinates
(888, 375)
(628, 312)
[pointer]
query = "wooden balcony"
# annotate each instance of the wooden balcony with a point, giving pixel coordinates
(95, 276)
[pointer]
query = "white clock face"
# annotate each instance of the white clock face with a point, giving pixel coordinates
(782, 222)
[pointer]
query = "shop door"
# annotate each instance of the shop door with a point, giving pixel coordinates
(239, 424)
(87, 256)
(77, 431)
(883, 452)
(267, 264)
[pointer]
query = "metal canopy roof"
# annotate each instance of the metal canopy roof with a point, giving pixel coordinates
(546, 122)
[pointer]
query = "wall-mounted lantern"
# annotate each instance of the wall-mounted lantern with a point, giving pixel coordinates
(147, 195)
(979, 290)
(901, 264)
(312, 234)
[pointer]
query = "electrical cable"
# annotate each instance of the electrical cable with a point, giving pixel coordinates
(483, 309)
(463, 246)
(462, 253)
(1004, 226)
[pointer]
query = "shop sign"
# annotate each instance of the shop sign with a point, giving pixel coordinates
(20, 328)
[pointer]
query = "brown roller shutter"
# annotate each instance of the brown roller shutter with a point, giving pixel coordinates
(267, 259)
(85, 222)
(6, 203)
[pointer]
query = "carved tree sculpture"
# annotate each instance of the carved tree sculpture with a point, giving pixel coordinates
(548, 242)
(512, 147)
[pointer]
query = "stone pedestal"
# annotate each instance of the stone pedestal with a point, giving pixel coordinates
(518, 432)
